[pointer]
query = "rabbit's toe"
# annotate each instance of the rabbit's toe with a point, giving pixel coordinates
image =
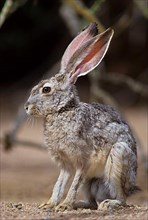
(48, 205)
(110, 204)
(63, 207)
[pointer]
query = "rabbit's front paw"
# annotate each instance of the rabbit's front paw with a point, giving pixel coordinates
(110, 204)
(64, 206)
(48, 205)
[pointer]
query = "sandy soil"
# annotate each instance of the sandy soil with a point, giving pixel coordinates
(31, 211)
(28, 175)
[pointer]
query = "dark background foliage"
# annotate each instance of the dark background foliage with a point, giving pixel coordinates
(34, 37)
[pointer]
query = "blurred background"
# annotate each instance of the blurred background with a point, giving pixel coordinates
(33, 37)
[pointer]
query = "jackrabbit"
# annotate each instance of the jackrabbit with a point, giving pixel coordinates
(91, 140)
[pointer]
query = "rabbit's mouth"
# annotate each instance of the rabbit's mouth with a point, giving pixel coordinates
(32, 110)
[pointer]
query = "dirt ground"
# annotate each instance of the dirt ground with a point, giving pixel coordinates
(28, 175)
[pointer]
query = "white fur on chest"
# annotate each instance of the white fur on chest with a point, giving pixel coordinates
(97, 162)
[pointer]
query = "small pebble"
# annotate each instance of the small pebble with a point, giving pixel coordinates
(18, 205)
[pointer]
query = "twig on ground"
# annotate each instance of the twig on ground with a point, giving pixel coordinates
(79, 7)
(8, 143)
(143, 6)
(9, 7)
(134, 85)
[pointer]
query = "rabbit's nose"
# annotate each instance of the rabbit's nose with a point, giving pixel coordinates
(26, 106)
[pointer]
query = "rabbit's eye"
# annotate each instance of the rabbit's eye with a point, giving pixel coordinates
(46, 89)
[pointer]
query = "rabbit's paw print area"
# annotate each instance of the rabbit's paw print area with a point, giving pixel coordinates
(63, 207)
(110, 204)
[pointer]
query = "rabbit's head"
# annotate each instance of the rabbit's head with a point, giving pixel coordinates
(83, 54)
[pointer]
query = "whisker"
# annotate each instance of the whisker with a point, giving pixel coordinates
(33, 122)
(29, 120)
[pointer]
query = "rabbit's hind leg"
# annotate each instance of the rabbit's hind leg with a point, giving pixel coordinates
(82, 204)
(89, 202)
(118, 177)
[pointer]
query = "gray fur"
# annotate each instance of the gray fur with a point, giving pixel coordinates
(91, 140)
(76, 133)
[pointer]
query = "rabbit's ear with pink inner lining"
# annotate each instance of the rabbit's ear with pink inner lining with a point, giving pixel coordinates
(88, 55)
(85, 35)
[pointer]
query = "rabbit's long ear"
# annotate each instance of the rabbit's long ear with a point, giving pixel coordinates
(89, 55)
(81, 38)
